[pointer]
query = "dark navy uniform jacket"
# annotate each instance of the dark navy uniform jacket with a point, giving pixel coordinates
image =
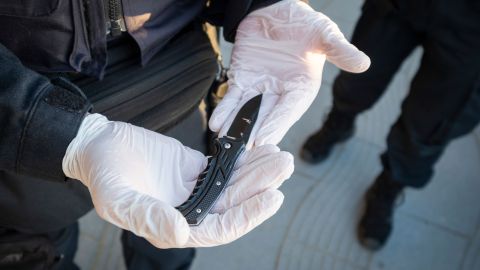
(39, 117)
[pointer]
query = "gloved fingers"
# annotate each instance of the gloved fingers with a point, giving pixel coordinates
(268, 172)
(330, 40)
(218, 229)
(158, 222)
(289, 108)
(225, 108)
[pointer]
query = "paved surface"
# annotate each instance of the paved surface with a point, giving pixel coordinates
(436, 228)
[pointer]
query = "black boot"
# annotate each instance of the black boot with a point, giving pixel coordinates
(376, 223)
(337, 128)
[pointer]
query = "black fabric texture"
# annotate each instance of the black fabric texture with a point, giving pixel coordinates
(57, 39)
(140, 254)
(165, 19)
(443, 102)
(19, 251)
(54, 250)
(57, 114)
(161, 94)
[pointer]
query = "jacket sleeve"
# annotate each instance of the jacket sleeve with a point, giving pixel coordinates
(38, 119)
(229, 13)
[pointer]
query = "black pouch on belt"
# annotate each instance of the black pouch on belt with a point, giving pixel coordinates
(20, 252)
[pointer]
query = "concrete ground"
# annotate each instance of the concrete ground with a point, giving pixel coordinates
(436, 228)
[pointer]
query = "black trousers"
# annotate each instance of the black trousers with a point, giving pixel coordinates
(444, 98)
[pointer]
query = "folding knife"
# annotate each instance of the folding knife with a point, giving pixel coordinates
(213, 180)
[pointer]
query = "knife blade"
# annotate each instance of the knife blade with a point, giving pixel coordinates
(215, 177)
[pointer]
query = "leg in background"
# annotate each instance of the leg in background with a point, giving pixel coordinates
(387, 39)
(443, 104)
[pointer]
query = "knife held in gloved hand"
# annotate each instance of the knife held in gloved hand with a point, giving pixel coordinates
(213, 180)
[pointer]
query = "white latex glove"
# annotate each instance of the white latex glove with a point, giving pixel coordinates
(280, 51)
(136, 177)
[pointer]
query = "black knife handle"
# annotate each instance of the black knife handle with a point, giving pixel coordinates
(212, 180)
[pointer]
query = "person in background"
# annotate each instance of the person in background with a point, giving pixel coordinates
(145, 66)
(443, 102)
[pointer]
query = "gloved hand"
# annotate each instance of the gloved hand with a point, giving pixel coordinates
(280, 51)
(136, 177)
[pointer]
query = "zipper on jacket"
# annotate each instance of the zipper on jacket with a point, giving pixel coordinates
(116, 23)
